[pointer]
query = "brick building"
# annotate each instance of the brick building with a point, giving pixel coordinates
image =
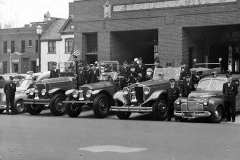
(173, 31)
(23, 44)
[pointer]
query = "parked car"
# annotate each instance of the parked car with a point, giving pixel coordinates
(146, 97)
(98, 95)
(19, 95)
(207, 101)
(49, 94)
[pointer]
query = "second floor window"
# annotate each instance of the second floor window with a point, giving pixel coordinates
(68, 45)
(92, 43)
(23, 49)
(36, 46)
(5, 47)
(12, 46)
(30, 43)
(52, 46)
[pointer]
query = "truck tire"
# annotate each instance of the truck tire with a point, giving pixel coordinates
(101, 106)
(217, 115)
(72, 110)
(123, 115)
(56, 106)
(160, 109)
(34, 109)
(19, 107)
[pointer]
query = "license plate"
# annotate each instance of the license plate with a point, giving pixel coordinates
(2, 107)
(188, 115)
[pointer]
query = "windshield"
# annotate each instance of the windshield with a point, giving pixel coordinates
(211, 84)
(173, 72)
(66, 66)
(25, 83)
(108, 66)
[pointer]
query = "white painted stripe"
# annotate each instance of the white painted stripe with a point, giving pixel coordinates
(112, 148)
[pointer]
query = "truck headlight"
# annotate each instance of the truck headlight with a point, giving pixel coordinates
(75, 94)
(146, 90)
(178, 102)
(43, 92)
(89, 93)
(205, 102)
(125, 90)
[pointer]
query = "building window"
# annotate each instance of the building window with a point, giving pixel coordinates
(30, 43)
(5, 47)
(36, 46)
(91, 40)
(68, 45)
(12, 46)
(51, 46)
(23, 49)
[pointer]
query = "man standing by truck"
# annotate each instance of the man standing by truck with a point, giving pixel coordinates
(9, 90)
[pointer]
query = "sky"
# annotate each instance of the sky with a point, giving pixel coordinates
(21, 12)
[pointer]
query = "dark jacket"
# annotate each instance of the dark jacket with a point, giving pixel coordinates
(95, 75)
(82, 77)
(187, 88)
(89, 75)
(141, 69)
(10, 90)
(173, 94)
(184, 72)
(54, 74)
(230, 92)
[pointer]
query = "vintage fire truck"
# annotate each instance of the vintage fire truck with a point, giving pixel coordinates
(146, 97)
(49, 93)
(98, 96)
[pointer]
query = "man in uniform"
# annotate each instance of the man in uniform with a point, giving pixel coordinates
(54, 73)
(187, 87)
(9, 90)
(230, 91)
(33, 84)
(88, 74)
(95, 73)
(184, 71)
(173, 94)
(124, 73)
(132, 76)
(141, 69)
(81, 74)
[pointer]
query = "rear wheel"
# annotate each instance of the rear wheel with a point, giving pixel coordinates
(34, 109)
(101, 106)
(72, 110)
(19, 107)
(217, 115)
(160, 109)
(56, 106)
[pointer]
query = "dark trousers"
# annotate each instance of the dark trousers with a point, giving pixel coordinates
(10, 101)
(230, 110)
(170, 110)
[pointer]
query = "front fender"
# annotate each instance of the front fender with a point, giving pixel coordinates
(214, 102)
(68, 92)
(50, 92)
(20, 97)
(95, 92)
(119, 96)
(155, 95)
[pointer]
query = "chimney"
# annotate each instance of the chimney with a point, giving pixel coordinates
(71, 4)
(47, 17)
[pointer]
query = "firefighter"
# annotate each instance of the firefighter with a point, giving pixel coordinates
(81, 72)
(132, 76)
(141, 69)
(230, 91)
(124, 73)
(149, 74)
(184, 71)
(88, 74)
(187, 87)
(33, 84)
(95, 73)
(54, 73)
(173, 93)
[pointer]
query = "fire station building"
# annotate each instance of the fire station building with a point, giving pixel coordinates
(172, 30)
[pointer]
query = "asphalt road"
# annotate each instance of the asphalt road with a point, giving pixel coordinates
(45, 137)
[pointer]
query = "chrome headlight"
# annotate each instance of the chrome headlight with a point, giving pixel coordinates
(89, 93)
(205, 102)
(178, 102)
(75, 94)
(43, 92)
(125, 90)
(146, 90)
(31, 92)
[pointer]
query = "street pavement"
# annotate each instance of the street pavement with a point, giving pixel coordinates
(46, 137)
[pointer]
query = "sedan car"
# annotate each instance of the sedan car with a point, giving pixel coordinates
(207, 101)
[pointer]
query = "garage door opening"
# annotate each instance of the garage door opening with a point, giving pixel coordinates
(127, 45)
(214, 42)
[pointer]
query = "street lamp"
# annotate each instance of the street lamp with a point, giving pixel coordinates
(39, 32)
(10, 60)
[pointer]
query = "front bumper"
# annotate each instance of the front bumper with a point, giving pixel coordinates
(192, 114)
(37, 101)
(80, 102)
(138, 109)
